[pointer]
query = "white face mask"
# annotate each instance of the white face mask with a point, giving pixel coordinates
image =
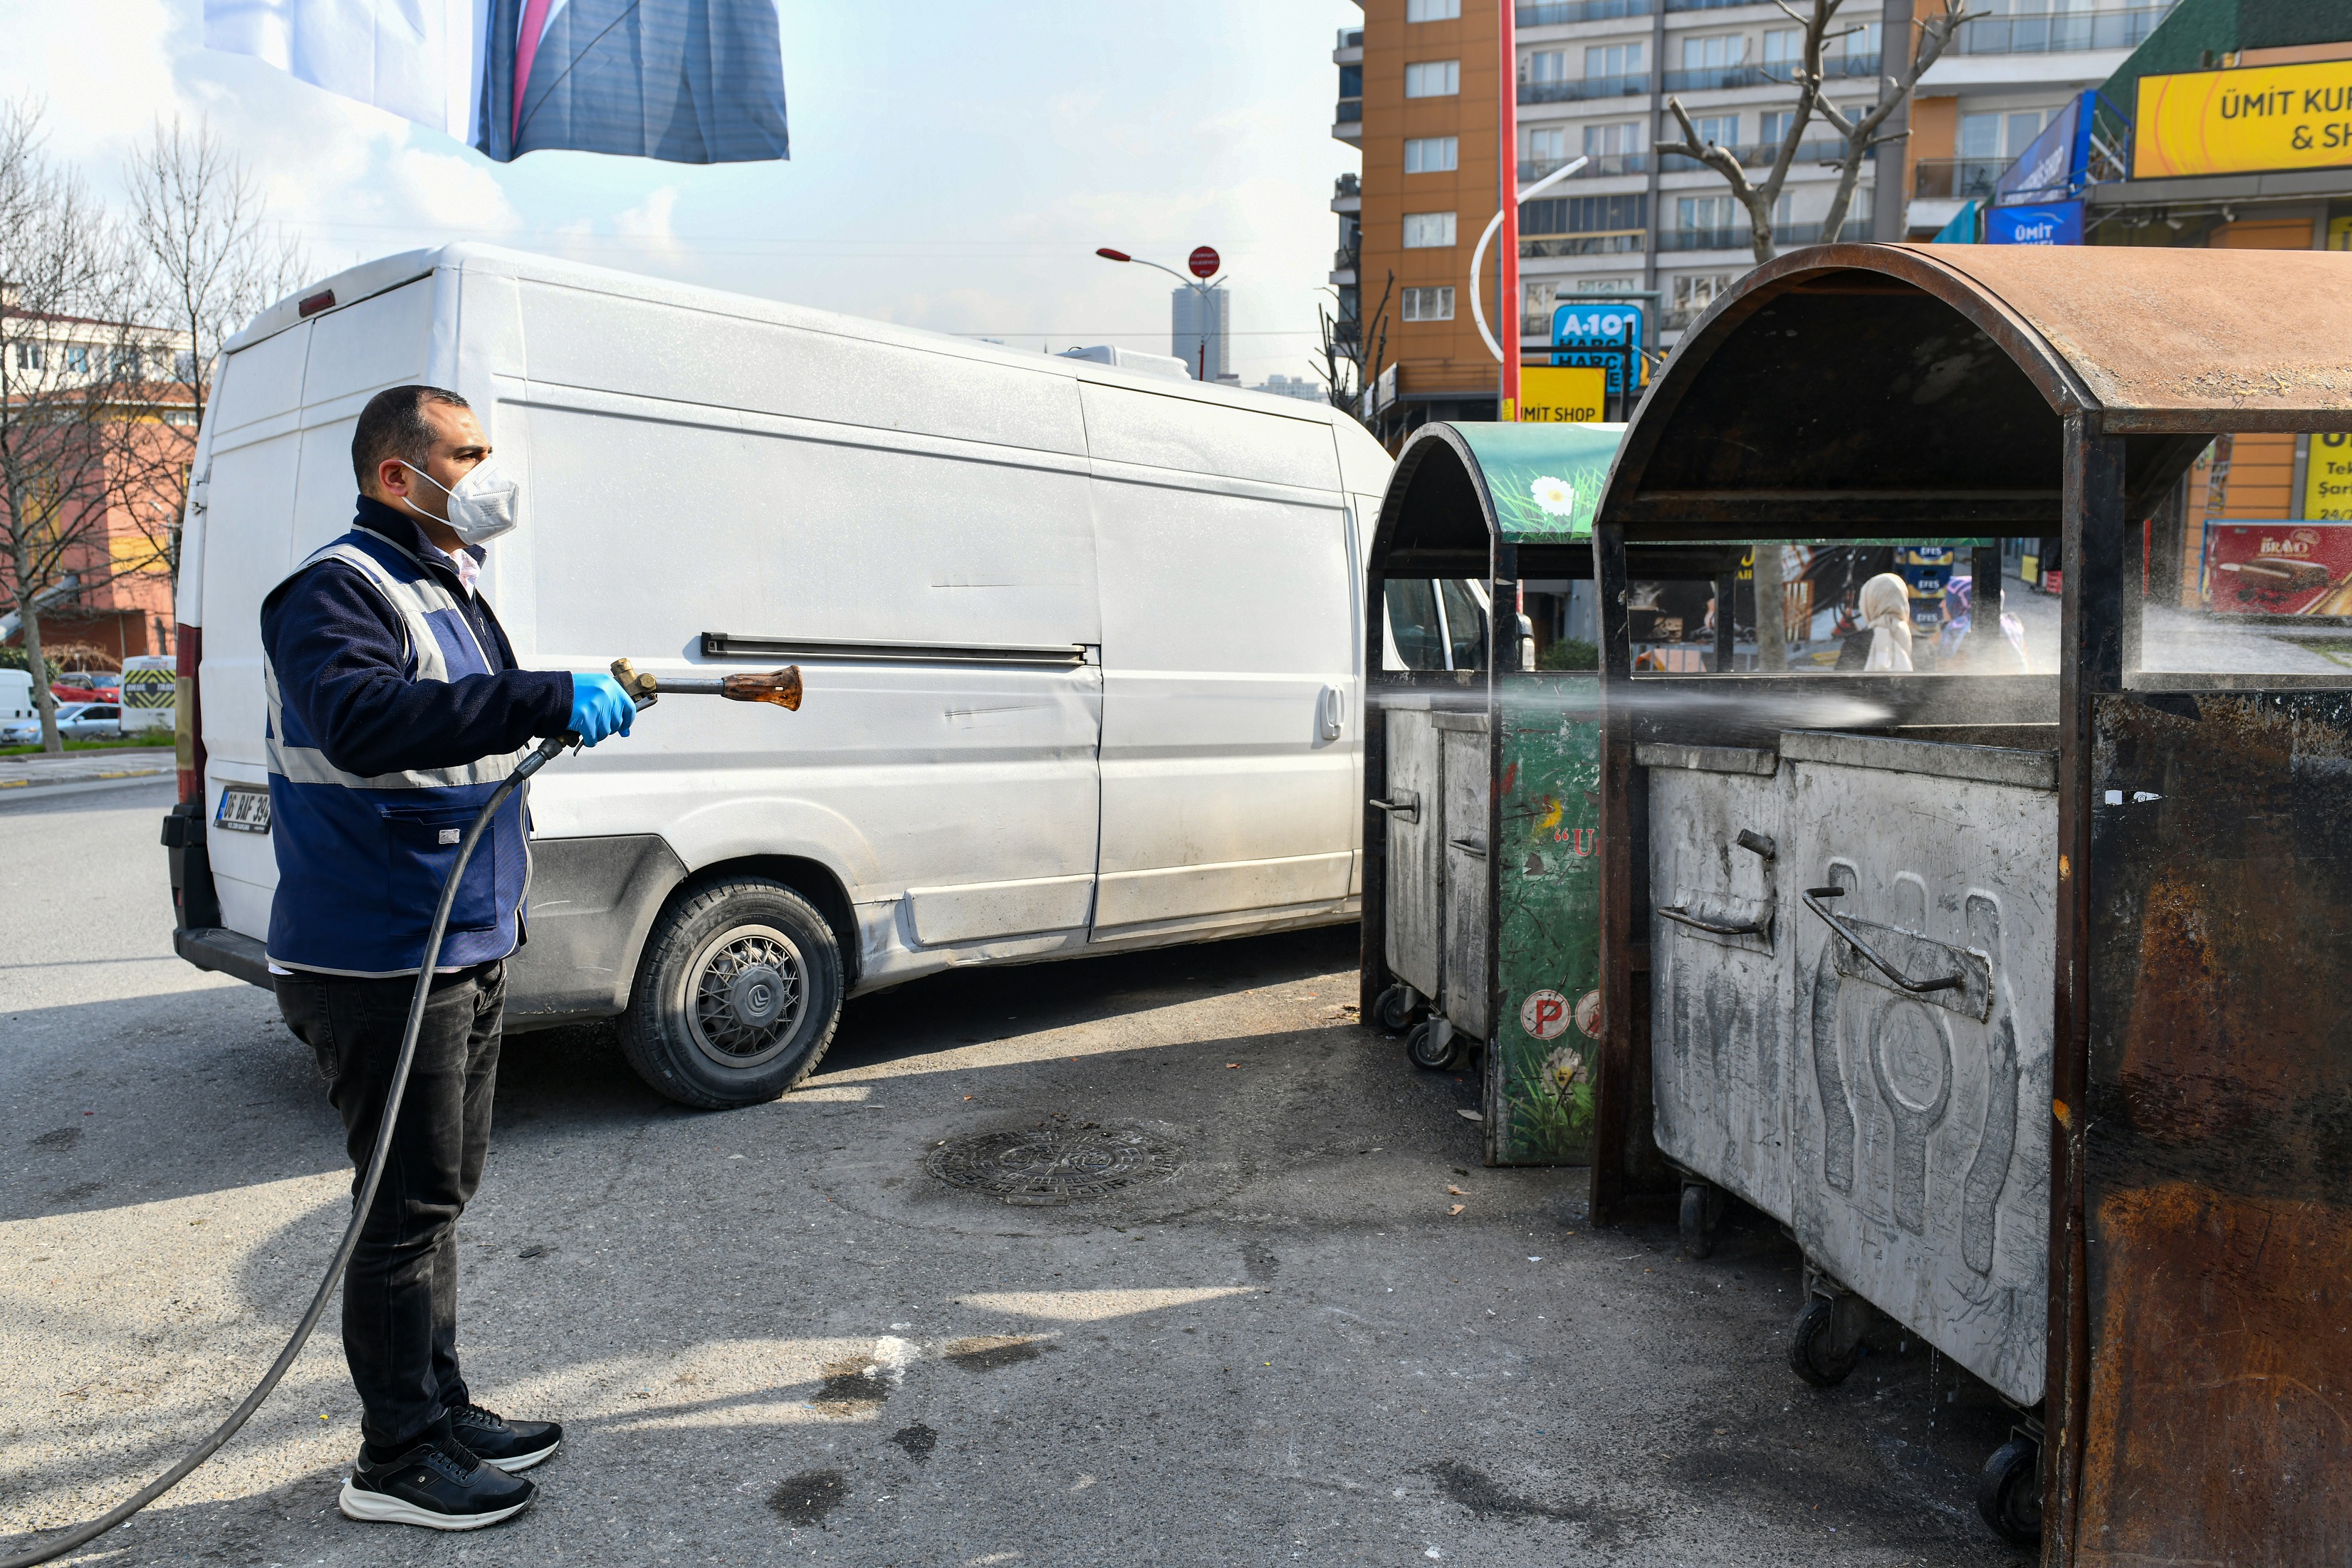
(482, 506)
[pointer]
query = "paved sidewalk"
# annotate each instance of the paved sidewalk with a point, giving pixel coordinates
(85, 767)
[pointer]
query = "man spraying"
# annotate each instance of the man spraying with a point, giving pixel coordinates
(395, 709)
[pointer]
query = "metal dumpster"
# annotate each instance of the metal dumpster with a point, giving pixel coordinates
(2159, 907)
(1482, 812)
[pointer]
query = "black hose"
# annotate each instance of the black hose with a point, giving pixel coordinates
(82, 1534)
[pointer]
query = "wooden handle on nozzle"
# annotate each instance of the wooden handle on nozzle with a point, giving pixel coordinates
(781, 687)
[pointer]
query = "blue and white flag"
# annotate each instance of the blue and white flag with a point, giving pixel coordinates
(688, 81)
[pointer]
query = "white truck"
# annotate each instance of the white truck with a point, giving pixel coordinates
(1082, 645)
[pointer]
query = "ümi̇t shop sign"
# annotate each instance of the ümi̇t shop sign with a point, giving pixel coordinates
(2278, 568)
(2239, 121)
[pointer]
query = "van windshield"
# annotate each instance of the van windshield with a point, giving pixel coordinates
(1436, 623)
(1466, 625)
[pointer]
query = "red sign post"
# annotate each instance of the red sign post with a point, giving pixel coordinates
(1506, 159)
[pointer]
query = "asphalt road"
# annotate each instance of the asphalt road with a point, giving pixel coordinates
(776, 1336)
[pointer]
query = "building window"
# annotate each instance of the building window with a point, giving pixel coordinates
(1585, 215)
(1707, 214)
(1783, 46)
(1426, 231)
(1432, 154)
(1694, 292)
(1549, 66)
(1723, 130)
(1431, 10)
(1772, 128)
(77, 359)
(1612, 59)
(1615, 139)
(1429, 304)
(1547, 145)
(1861, 43)
(28, 356)
(1715, 53)
(1433, 78)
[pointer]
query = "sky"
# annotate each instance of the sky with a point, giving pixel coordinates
(954, 165)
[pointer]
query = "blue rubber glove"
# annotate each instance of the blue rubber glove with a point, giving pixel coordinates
(599, 708)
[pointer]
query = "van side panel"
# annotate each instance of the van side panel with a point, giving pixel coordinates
(653, 521)
(1225, 650)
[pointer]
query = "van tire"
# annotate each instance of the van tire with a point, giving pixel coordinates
(736, 996)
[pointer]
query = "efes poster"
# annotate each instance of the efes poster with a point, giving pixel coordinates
(2240, 122)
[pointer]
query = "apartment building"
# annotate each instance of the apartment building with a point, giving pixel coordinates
(1418, 88)
(2001, 82)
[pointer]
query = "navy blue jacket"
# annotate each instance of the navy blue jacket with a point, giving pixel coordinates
(339, 655)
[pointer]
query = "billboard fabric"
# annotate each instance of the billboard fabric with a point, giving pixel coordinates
(2278, 568)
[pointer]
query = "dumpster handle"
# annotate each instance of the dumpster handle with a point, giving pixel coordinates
(1812, 901)
(1406, 808)
(1469, 847)
(1753, 927)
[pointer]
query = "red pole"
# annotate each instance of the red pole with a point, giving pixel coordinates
(1506, 98)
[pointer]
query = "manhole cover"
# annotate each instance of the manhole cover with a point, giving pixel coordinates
(1051, 1166)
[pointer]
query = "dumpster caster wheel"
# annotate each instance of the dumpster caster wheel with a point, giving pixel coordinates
(1816, 1353)
(2009, 1491)
(1701, 1206)
(1395, 1009)
(1433, 1045)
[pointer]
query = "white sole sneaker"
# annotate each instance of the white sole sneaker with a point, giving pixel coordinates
(379, 1508)
(518, 1463)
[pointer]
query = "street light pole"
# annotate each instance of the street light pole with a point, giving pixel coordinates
(1206, 288)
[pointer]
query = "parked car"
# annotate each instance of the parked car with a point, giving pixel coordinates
(76, 722)
(1081, 643)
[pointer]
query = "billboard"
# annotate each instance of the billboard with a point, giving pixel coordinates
(2327, 478)
(2053, 222)
(2278, 568)
(2244, 120)
(1561, 395)
(2052, 167)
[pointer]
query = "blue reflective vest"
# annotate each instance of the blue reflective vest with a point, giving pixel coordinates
(361, 860)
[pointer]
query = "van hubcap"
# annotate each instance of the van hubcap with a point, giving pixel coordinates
(747, 996)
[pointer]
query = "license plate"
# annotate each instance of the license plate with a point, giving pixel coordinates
(244, 809)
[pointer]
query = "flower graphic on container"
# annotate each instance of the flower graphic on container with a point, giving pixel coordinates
(1557, 497)
(1563, 1068)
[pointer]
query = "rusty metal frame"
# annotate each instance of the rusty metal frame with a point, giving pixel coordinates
(2138, 358)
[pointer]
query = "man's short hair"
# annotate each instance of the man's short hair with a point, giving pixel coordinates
(392, 424)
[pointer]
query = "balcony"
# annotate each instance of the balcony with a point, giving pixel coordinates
(1784, 235)
(1615, 243)
(1551, 12)
(1575, 89)
(1351, 110)
(1347, 187)
(1351, 38)
(1957, 179)
(1773, 73)
(1759, 156)
(1599, 166)
(2067, 32)
(1673, 6)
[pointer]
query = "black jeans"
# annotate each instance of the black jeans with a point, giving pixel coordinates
(400, 1296)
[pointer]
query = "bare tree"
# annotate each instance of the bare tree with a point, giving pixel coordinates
(1860, 130)
(1362, 347)
(71, 364)
(210, 265)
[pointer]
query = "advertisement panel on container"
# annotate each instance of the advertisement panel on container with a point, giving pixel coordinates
(2278, 568)
(2053, 222)
(2327, 478)
(2244, 120)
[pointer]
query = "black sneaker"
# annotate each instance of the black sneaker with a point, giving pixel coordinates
(511, 1446)
(437, 1484)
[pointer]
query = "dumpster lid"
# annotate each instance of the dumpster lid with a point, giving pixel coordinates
(1919, 390)
(1457, 488)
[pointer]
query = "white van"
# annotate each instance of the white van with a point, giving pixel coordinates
(1082, 645)
(17, 694)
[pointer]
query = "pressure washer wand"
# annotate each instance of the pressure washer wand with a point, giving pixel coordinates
(781, 687)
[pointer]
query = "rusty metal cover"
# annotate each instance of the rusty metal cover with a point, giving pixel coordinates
(2150, 329)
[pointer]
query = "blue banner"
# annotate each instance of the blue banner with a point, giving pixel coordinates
(2051, 223)
(2055, 164)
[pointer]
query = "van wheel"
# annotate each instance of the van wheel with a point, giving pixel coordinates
(736, 996)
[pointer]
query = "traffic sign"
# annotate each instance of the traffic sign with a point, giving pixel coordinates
(1204, 261)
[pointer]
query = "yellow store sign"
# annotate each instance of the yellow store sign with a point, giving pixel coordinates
(1562, 395)
(2327, 479)
(2239, 121)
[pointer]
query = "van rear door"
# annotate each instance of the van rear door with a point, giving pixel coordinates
(1229, 735)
